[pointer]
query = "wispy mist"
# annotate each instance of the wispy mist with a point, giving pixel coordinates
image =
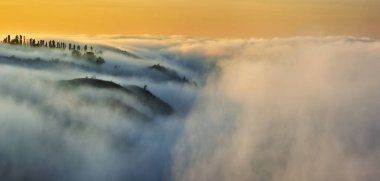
(287, 109)
(299, 108)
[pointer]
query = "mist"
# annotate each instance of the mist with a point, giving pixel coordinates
(287, 109)
(301, 108)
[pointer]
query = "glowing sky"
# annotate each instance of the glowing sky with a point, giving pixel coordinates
(213, 18)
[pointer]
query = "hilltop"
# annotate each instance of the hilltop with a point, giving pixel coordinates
(142, 95)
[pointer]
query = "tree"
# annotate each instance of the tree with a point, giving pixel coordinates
(85, 48)
(20, 42)
(69, 46)
(100, 61)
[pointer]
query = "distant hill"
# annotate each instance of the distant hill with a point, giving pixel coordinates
(172, 75)
(117, 50)
(145, 97)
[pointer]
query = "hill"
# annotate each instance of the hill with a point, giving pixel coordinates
(143, 96)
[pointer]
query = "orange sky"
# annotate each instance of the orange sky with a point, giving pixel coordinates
(207, 18)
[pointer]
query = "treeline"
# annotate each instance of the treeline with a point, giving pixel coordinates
(31, 42)
(77, 50)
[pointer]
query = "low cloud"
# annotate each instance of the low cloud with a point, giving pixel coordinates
(301, 108)
(287, 109)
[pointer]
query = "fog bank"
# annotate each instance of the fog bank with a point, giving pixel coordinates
(302, 108)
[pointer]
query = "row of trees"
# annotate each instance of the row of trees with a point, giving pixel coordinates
(18, 40)
(22, 41)
(86, 52)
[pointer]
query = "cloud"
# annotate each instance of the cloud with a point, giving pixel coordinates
(287, 109)
(50, 133)
(301, 108)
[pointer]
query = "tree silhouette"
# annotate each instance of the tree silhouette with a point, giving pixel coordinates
(100, 61)
(85, 48)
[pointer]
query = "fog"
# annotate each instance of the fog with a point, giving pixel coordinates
(287, 109)
(302, 108)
